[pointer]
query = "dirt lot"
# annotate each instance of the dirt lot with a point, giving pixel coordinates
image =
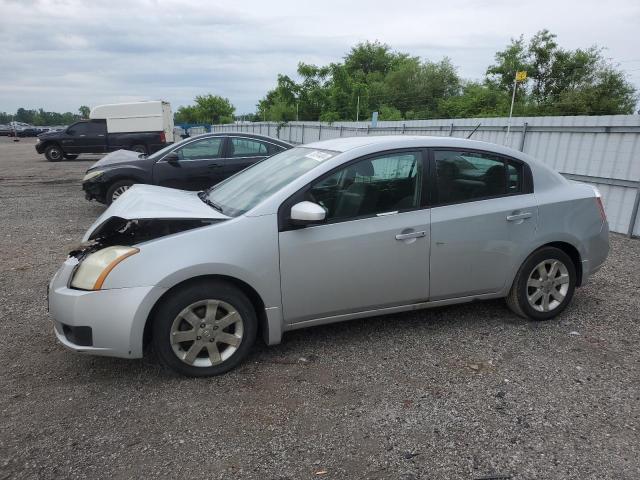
(459, 393)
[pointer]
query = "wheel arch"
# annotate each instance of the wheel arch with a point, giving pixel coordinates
(50, 143)
(573, 253)
(248, 290)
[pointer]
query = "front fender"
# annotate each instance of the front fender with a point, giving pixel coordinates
(245, 248)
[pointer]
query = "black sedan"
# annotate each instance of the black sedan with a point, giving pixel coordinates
(195, 163)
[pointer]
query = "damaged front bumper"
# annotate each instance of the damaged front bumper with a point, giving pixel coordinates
(94, 191)
(103, 322)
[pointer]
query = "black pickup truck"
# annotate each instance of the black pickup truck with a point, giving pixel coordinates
(91, 136)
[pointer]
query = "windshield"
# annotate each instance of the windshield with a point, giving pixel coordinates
(242, 192)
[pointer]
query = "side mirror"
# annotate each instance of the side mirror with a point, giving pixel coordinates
(307, 213)
(173, 159)
(70, 132)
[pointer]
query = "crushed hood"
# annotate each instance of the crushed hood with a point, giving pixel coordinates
(117, 157)
(147, 202)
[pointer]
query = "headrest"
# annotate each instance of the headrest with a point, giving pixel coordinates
(364, 168)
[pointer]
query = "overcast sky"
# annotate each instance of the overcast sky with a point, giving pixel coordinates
(60, 54)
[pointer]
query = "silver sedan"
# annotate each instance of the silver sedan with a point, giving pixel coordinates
(326, 232)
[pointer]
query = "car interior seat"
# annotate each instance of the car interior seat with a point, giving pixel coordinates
(495, 181)
(358, 198)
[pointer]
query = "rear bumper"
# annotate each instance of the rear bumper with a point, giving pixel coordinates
(105, 322)
(597, 251)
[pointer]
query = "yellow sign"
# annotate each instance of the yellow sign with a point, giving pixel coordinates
(521, 76)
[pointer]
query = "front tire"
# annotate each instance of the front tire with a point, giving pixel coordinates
(544, 285)
(204, 329)
(53, 153)
(116, 189)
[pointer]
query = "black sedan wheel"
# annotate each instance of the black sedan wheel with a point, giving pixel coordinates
(116, 189)
(53, 153)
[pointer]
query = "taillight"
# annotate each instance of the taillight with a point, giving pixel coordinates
(163, 138)
(603, 214)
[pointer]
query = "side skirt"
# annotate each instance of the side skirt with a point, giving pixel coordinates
(389, 310)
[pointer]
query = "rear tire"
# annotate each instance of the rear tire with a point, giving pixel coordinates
(53, 153)
(139, 149)
(544, 285)
(204, 329)
(116, 189)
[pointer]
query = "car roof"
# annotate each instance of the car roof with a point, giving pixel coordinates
(378, 143)
(265, 138)
(345, 144)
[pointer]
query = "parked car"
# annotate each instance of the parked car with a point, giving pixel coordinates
(5, 130)
(195, 163)
(143, 127)
(326, 232)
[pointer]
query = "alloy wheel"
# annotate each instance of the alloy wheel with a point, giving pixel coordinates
(119, 191)
(547, 285)
(206, 333)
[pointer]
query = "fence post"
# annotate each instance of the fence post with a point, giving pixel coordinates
(404, 126)
(302, 139)
(368, 126)
(289, 126)
(634, 212)
(524, 135)
(451, 130)
(341, 127)
(320, 132)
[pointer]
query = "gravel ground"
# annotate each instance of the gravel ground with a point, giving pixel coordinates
(460, 392)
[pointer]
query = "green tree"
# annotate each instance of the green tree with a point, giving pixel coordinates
(207, 109)
(84, 111)
(562, 82)
(214, 109)
(389, 113)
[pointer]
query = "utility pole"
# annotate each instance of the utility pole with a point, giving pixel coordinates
(358, 109)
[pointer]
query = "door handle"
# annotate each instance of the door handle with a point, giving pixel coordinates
(519, 216)
(405, 236)
(215, 165)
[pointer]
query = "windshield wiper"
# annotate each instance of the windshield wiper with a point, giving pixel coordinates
(203, 196)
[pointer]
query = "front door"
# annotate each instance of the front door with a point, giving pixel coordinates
(373, 251)
(483, 217)
(86, 137)
(200, 164)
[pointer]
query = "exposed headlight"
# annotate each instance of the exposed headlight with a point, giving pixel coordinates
(93, 270)
(93, 174)
(37, 140)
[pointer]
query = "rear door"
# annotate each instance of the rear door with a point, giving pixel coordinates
(483, 215)
(245, 151)
(200, 165)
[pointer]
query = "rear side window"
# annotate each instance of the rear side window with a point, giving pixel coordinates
(466, 176)
(245, 147)
(97, 127)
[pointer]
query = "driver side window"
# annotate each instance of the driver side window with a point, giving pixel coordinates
(202, 149)
(371, 186)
